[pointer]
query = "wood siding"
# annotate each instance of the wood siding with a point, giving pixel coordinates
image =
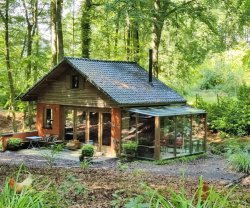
(60, 92)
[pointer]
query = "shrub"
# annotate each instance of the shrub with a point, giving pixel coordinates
(129, 147)
(13, 143)
(230, 116)
(240, 161)
(88, 150)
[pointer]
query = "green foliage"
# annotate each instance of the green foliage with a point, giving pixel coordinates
(88, 150)
(129, 147)
(240, 161)
(14, 141)
(31, 197)
(151, 198)
(72, 186)
(230, 115)
(181, 159)
(121, 166)
(51, 153)
(84, 164)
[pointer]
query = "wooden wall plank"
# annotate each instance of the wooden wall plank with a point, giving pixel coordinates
(59, 92)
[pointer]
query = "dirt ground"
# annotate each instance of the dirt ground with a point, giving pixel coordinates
(5, 121)
(112, 181)
(100, 183)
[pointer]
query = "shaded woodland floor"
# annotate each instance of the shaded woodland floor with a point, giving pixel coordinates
(99, 187)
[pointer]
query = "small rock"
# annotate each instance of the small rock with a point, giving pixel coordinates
(246, 181)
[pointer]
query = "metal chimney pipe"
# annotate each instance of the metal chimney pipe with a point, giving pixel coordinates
(150, 65)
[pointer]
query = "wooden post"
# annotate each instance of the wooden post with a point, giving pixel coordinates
(74, 124)
(175, 135)
(87, 128)
(136, 126)
(100, 131)
(116, 131)
(191, 137)
(157, 151)
(205, 134)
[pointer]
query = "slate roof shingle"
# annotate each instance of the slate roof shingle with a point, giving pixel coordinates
(125, 82)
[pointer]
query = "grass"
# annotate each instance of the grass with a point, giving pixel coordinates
(240, 161)
(151, 198)
(28, 198)
(184, 159)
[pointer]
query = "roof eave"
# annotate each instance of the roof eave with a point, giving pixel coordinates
(126, 105)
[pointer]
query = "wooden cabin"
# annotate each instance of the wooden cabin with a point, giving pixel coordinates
(109, 102)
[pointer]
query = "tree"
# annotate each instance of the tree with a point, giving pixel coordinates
(57, 48)
(5, 19)
(86, 27)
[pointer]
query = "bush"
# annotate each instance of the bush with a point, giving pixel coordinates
(240, 161)
(129, 147)
(13, 143)
(88, 150)
(230, 116)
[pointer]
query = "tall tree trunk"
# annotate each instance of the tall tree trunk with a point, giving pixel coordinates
(128, 42)
(57, 48)
(136, 42)
(86, 28)
(158, 22)
(32, 23)
(59, 30)
(5, 19)
(53, 32)
(116, 39)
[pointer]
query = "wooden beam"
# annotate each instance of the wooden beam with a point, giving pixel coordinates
(100, 131)
(74, 124)
(136, 126)
(191, 137)
(87, 127)
(175, 135)
(205, 136)
(157, 151)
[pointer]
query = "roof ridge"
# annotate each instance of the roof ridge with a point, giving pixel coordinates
(99, 60)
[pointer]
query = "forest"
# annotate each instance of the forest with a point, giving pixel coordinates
(201, 49)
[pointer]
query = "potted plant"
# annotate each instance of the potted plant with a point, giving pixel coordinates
(129, 149)
(13, 144)
(87, 152)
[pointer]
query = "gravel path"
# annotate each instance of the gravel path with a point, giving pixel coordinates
(212, 168)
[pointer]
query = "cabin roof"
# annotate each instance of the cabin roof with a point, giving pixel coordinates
(124, 82)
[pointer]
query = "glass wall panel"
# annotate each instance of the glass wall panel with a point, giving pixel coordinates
(167, 136)
(93, 127)
(175, 136)
(183, 135)
(198, 133)
(128, 126)
(146, 135)
(106, 140)
(68, 124)
(141, 129)
(80, 125)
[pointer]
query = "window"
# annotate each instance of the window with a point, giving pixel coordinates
(48, 118)
(75, 81)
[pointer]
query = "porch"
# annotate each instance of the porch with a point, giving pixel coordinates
(165, 132)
